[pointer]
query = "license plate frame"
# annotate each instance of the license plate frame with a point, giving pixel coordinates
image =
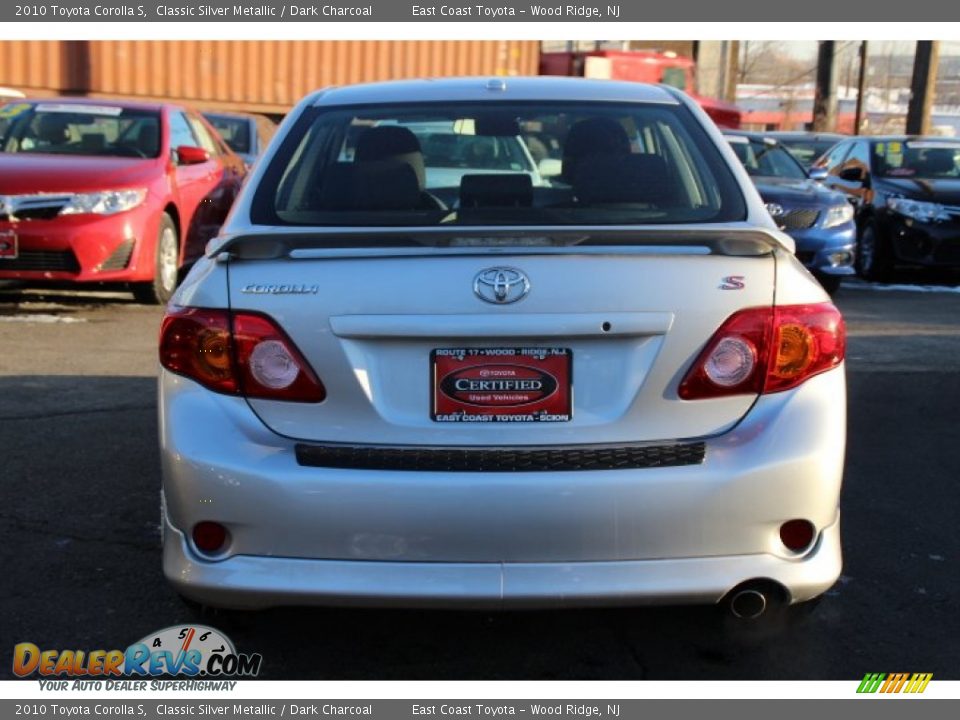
(518, 384)
(9, 245)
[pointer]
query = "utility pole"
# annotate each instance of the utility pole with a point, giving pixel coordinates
(861, 89)
(923, 87)
(825, 99)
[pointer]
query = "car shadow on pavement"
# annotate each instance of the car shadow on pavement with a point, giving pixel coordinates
(16, 298)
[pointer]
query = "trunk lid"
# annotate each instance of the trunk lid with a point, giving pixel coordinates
(634, 318)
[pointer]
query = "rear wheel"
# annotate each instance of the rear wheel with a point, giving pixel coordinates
(874, 257)
(166, 266)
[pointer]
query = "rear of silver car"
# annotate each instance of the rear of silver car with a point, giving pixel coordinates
(500, 414)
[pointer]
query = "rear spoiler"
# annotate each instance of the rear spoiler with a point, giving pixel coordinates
(272, 243)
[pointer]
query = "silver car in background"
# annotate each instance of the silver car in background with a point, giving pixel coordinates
(617, 386)
(246, 134)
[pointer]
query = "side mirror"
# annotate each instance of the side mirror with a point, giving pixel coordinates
(190, 155)
(550, 167)
(818, 173)
(852, 174)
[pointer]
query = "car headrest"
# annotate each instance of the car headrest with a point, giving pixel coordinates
(639, 178)
(52, 128)
(392, 142)
(370, 186)
(93, 141)
(593, 136)
(938, 161)
(500, 190)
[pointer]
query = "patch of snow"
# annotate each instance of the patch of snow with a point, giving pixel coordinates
(41, 318)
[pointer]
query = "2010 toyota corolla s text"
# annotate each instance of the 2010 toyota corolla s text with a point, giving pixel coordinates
(603, 381)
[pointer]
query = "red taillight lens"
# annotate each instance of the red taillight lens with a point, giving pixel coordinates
(196, 342)
(270, 364)
(238, 354)
(766, 350)
(716, 372)
(209, 537)
(797, 534)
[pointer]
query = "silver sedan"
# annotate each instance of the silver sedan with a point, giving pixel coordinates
(390, 386)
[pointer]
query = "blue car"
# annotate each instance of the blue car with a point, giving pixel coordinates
(819, 220)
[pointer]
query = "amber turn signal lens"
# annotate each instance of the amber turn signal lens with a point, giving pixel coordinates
(213, 350)
(796, 349)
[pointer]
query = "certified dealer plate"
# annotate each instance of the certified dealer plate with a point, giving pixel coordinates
(8, 245)
(527, 384)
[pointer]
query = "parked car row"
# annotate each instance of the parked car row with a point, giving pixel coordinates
(103, 191)
(868, 205)
(120, 192)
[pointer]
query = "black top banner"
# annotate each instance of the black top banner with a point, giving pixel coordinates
(467, 11)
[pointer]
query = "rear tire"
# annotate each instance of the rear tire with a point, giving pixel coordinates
(166, 267)
(874, 260)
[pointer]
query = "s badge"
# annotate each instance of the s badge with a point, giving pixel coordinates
(732, 282)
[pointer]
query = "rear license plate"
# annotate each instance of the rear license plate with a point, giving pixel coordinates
(8, 245)
(530, 384)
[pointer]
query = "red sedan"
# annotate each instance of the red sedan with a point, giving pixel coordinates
(101, 191)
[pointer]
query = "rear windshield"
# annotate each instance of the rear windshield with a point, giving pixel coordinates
(807, 151)
(766, 159)
(235, 131)
(916, 159)
(497, 164)
(73, 129)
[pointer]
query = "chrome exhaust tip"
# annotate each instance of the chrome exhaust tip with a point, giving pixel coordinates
(748, 604)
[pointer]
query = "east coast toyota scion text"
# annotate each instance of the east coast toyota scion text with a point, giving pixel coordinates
(605, 379)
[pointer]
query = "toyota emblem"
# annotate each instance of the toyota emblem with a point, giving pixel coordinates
(501, 285)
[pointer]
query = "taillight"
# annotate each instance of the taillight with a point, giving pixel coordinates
(766, 350)
(236, 353)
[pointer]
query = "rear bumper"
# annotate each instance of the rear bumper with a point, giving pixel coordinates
(301, 535)
(246, 582)
(115, 248)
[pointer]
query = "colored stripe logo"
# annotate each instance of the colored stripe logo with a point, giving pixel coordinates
(894, 682)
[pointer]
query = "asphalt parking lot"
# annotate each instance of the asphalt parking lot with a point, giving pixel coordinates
(79, 534)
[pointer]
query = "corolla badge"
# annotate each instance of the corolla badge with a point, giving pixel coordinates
(501, 285)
